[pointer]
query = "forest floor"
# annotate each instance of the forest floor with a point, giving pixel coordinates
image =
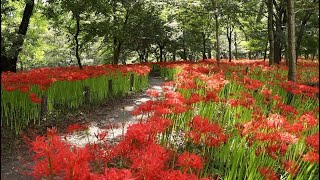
(15, 156)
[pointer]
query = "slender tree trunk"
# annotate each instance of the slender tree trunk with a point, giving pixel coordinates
(229, 33)
(270, 32)
(184, 48)
(265, 52)
(116, 52)
(161, 52)
(277, 40)
(77, 16)
(174, 54)
(9, 61)
(217, 37)
(291, 41)
(209, 52)
(146, 56)
(235, 45)
(204, 46)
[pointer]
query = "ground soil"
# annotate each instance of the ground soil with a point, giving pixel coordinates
(15, 158)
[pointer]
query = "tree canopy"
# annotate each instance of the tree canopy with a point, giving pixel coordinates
(63, 32)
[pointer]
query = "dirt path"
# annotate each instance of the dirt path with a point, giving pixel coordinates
(116, 114)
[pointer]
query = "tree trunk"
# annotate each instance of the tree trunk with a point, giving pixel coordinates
(184, 48)
(204, 46)
(265, 52)
(9, 61)
(161, 52)
(291, 42)
(235, 45)
(229, 33)
(277, 40)
(270, 32)
(77, 16)
(116, 52)
(209, 52)
(174, 54)
(301, 33)
(146, 56)
(217, 37)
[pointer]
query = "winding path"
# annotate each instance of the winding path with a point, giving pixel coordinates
(116, 113)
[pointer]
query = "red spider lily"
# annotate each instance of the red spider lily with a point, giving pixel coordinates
(288, 110)
(266, 93)
(10, 88)
(313, 141)
(204, 132)
(291, 167)
(48, 155)
(177, 175)
(312, 157)
(233, 102)
(211, 96)
(146, 107)
(24, 89)
(247, 101)
(297, 89)
(117, 174)
(194, 98)
(276, 121)
(44, 77)
(147, 162)
(77, 127)
(276, 97)
(268, 173)
(75, 163)
(162, 109)
(252, 84)
(34, 98)
(186, 83)
(295, 128)
(309, 120)
(189, 160)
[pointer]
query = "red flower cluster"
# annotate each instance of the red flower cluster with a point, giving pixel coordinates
(202, 131)
(189, 160)
(34, 98)
(300, 89)
(268, 173)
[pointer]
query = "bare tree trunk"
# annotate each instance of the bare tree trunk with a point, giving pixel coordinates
(204, 46)
(270, 32)
(235, 45)
(291, 42)
(174, 54)
(280, 19)
(265, 52)
(217, 37)
(184, 48)
(209, 52)
(9, 61)
(146, 56)
(77, 16)
(116, 52)
(161, 52)
(229, 33)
